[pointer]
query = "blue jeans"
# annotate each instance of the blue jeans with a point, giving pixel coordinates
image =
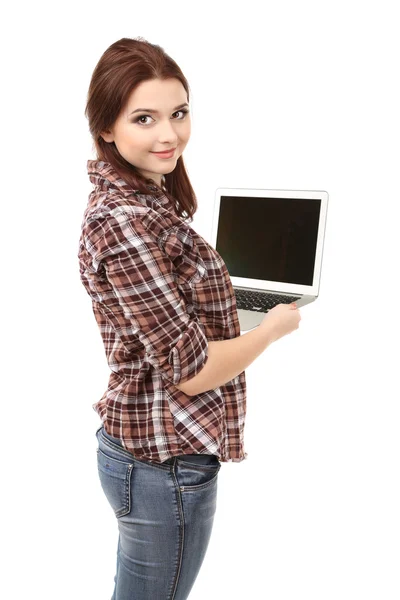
(165, 514)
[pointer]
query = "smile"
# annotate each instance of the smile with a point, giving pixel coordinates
(168, 154)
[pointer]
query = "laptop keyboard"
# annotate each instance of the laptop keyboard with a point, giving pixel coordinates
(260, 301)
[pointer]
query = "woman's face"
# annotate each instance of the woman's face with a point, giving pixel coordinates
(137, 136)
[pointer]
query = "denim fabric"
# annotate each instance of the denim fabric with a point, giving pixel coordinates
(165, 514)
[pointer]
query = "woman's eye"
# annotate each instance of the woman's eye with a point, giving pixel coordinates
(184, 111)
(142, 117)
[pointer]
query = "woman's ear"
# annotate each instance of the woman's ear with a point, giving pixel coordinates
(107, 136)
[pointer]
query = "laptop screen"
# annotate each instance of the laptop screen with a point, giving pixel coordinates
(272, 239)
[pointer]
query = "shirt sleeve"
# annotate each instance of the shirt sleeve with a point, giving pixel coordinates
(141, 296)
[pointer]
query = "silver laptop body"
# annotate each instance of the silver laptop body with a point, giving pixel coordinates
(272, 243)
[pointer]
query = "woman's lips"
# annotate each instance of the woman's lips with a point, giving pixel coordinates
(168, 154)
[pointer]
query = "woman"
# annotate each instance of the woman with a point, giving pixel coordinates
(175, 405)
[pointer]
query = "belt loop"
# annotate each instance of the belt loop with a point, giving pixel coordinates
(173, 464)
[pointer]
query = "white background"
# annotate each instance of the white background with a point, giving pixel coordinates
(288, 94)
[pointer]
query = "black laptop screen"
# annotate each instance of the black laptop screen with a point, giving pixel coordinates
(271, 239)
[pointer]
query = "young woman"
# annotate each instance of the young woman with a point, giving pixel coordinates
(175, 406)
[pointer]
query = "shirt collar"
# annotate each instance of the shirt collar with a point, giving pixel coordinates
(103, 175)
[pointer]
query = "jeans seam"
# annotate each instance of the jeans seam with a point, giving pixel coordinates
(181, 528)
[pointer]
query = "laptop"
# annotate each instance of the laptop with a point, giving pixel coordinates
(271, 242)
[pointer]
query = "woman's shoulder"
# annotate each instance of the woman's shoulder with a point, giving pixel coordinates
(111, 202)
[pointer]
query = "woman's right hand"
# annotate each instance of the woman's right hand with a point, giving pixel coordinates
(281, 320)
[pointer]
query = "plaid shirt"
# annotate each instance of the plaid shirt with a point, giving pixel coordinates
(159, 293)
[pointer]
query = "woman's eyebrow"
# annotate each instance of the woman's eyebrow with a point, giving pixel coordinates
(150, 110)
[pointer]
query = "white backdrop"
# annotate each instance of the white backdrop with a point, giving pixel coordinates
(288, 94)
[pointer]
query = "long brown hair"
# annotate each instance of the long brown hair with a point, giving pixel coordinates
(121, 68)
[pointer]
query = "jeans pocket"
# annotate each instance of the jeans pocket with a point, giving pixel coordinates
(115, 479)
(195, 477)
